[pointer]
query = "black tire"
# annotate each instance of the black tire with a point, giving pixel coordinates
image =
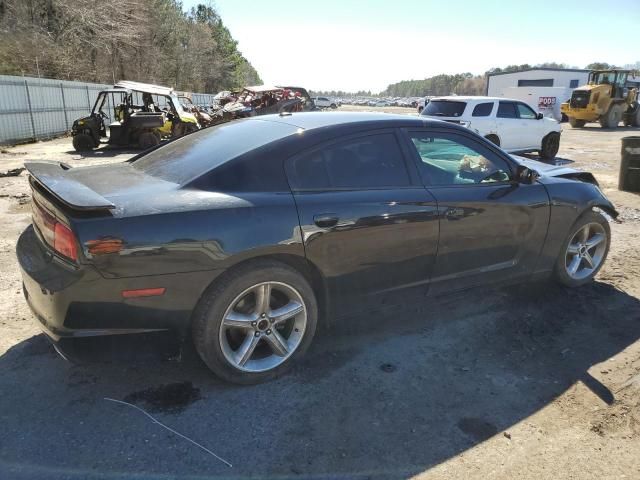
(493, 139)
(550, 146)
(334, 106)
(636, 117)
(612, 118)
(576, 123)
(208, 316)
(83, 142)
(148, 140)
(560, 273)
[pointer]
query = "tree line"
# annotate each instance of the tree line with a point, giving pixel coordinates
(153, 41)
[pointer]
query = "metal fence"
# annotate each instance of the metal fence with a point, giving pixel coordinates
(40, 108)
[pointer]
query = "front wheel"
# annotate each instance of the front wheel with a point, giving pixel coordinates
(576, 123)
(584, 251)
(83, 142)
(612, 118)
(253, 324)
(550, 146)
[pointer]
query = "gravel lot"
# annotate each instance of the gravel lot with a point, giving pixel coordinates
(527, 382)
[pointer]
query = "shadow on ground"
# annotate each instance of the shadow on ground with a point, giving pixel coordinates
(389, 391)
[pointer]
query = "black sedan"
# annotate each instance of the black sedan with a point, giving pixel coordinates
(249, 233)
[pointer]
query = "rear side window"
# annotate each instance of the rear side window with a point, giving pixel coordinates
(193, 155)
(507, 110)
(374, 161)
(444, 108)
(482, 110)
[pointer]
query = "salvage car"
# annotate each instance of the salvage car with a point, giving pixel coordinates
(510, 124)
(265, 100)
(247, 234)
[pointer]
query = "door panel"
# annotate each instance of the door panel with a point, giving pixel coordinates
(366, 220)
(509, 127)
(491, 228)
(381, 239)
(488, 233)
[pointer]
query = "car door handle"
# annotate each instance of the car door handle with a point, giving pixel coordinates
(325, 220)
(454, 213)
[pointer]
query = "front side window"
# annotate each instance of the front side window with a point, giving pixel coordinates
(507, 110)
(525, 112)
(374, 161)
(482, 109)
(452, 160)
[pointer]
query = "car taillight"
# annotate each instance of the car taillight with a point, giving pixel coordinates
(57, 235)
(64, 241)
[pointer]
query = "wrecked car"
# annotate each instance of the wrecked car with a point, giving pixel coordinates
(248, 234)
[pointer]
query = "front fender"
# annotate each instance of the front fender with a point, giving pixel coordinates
(569, 199)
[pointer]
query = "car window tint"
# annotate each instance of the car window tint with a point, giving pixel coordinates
(444, 108)
(447, 160)
(374, 161)
(507, 110)
(526, 112)
(193, 155)
(482, 110)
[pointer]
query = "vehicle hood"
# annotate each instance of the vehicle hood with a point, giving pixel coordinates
(547, 170)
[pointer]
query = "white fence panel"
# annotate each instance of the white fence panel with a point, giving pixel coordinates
(39, 108)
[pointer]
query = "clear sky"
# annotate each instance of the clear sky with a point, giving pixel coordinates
(358, 44)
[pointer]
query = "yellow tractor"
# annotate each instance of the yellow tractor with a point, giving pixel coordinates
(606, 98)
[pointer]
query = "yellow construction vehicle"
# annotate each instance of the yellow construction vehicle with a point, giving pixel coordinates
(606, 98)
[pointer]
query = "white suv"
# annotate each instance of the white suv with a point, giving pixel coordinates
(324, 102)
(511, 124)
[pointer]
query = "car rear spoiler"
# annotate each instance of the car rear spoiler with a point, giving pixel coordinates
(73, 194)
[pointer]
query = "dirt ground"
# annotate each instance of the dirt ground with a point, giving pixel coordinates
(530, 382)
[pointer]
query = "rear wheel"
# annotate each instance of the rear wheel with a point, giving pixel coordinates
(148, 140)
(493, 139)
(576, 123)
(253, 324)
(83, 142)
(584, 251)
(612, 118)
(550, 146)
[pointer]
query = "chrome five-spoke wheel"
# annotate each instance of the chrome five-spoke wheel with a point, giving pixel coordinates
(263, 326)
(586, 251)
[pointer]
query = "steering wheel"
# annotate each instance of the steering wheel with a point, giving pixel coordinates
(103, 115)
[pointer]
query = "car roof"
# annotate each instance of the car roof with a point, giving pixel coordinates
(340, 120)
(470, 98)
(144, 87)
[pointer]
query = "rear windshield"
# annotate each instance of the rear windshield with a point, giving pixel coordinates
(444, 108)
(189, 157)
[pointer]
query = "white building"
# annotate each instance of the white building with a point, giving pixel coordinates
(536, 77)
(544, 89)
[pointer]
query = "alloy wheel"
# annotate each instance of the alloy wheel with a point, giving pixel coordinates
(586, 251)
(263, 327)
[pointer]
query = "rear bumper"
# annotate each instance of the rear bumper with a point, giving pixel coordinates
(73, 302)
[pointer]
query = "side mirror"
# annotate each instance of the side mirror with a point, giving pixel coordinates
(539, 116)
(526, 175)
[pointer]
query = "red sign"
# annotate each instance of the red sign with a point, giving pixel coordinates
(546, 102)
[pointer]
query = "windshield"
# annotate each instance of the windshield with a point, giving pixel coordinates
(444, 108)
(189, 157)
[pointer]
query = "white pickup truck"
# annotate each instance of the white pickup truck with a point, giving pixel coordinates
(511, 124)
